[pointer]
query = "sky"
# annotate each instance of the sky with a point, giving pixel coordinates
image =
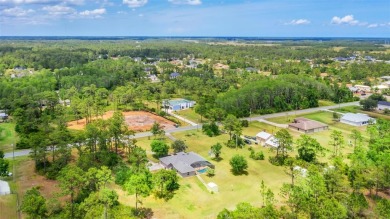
(240, 18)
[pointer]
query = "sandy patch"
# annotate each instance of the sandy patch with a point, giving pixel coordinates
(136, 120)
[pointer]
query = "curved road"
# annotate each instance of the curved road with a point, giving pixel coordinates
(199, 126)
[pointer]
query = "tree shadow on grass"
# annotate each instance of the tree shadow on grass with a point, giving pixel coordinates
(142, 212)
(217, 159)
(244, 172)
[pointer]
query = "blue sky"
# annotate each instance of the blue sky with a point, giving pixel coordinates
(261, 18)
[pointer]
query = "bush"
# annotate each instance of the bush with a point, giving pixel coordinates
(386, 111)
(162, 113)
(211, 129)
(232, 143)
(244, 123)
(238, 163)
(256, 156)
(210, 172)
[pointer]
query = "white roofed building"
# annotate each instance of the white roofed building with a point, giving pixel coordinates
(262, 137)
(356, 119)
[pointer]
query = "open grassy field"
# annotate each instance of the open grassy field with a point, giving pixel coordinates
(191, 115)
(9, 136)
(325, 103)
(193, 200)
(8, 203)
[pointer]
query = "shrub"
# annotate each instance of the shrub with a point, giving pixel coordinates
(244, 123)
(256, 156)
(211, 129)
(210, 172)
(238, 163)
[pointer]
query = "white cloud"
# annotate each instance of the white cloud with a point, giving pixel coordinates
(186, 2)
(372, 25)
(298, 22)
(348, 19)
(16, 12)
(94, 13)
(135, 3)
(59, 10)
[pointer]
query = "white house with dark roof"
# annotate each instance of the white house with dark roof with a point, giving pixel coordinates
(356, 119)
(383, 105)
(185, 164)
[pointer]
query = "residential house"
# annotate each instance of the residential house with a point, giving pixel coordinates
(385, 78)
(272, 142)
(356, 119)
(186, 164)
(262, 137)
(251, 69)
(363, 88)
(174, 75)
(3, 117)
(307, 125)
(178, 104)
(383, 105)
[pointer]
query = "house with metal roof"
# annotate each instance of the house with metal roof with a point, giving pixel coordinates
(262, 137)
(174, 75)
(185, 164)
(307, 125)
(383, 105)
(178, 104)
(272, 142)
(356, 119)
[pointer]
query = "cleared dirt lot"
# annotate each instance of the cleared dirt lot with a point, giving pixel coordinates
(136, 120)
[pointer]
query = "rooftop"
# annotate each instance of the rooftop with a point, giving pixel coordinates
(272, 142)
(306, 124)
(384, 103)
(185, 162)
(178, 101)
(356, 117)
(263, 135)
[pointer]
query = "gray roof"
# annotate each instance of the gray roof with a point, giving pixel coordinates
(356, 117)
(384, 103)
(182, 161)
(174, 74)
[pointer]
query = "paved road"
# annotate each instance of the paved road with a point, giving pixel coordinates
(199, 126)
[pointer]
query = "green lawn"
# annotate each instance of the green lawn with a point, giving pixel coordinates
(193, 200)
(191, 115)
(8, 135)
(8, 206)
(325, 103)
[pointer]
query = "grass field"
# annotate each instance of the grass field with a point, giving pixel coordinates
(191, 115)
(325, 103)
(9, 136)
(8, 203)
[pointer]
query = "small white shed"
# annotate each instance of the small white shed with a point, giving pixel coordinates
(212, 187)
(4, 188)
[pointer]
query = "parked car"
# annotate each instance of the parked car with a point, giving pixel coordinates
(247, 141)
